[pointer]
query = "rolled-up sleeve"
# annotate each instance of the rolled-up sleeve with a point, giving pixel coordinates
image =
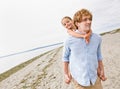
(99, 55)
(66, 52)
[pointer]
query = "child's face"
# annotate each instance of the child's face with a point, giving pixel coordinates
(67, 23)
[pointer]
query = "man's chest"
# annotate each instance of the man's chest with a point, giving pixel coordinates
(81, 46)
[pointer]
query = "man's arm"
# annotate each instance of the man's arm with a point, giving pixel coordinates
(67, 72)
(65, 67)
(66, 53)
(100, 69)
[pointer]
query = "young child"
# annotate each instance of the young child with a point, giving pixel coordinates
(68, 24)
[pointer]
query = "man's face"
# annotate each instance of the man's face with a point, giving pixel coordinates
(67, 23)
(85, 24)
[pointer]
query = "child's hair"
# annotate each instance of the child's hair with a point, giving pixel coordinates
(66, 17)
(79, 14)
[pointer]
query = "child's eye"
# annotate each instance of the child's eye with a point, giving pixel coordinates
(67, 21)
(64, 24)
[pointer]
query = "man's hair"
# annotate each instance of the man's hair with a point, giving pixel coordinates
(79, 14)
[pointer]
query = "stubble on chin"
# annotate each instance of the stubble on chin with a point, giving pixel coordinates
(87, 29)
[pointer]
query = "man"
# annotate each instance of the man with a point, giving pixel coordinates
(80, 60)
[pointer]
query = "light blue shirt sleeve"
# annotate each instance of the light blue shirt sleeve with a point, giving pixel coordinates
(99, 55)
(66, 52)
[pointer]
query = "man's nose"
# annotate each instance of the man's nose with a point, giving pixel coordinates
(88, 20)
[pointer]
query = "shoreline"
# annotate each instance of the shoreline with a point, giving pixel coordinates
(111, 32)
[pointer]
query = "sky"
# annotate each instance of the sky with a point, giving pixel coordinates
(27, 24)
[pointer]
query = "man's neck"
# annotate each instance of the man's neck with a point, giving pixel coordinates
(82, 31)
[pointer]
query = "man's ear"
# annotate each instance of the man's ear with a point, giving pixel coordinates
(76, 24)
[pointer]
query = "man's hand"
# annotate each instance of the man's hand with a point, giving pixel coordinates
(101, 74)
(68, 78)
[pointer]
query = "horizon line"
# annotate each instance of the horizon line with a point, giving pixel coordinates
(33, 49)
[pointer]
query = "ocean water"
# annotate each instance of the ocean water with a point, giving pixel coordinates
(106, 17)
(9, 61)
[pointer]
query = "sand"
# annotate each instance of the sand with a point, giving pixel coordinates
(47, 73)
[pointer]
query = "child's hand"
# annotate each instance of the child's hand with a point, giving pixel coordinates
(87, 38)
(68, 78)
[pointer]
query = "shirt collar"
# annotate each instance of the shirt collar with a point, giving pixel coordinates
(80, 32)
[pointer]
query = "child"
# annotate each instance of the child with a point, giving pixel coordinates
(68, 24)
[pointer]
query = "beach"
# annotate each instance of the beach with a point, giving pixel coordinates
(46, 70)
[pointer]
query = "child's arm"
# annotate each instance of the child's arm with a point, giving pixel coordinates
(86, 36)
(75, 34)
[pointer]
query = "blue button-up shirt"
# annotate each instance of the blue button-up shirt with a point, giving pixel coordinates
(83, 58)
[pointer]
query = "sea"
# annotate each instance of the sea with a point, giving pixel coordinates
(9, 61)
